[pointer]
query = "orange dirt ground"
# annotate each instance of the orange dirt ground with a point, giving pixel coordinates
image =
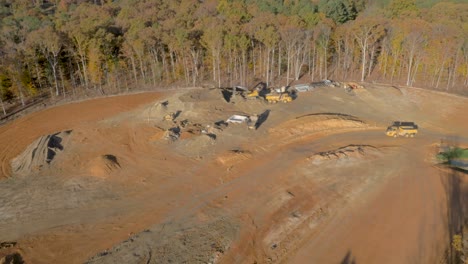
(317, 182)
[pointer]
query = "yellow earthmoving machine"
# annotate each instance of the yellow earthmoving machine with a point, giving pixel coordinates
(252, 94)
(402, 129)
(257, 91)
(278, 97)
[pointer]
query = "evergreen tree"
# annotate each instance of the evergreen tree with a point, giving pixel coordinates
(339, 11)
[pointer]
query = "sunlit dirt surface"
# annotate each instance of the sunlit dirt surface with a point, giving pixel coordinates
(104, 181)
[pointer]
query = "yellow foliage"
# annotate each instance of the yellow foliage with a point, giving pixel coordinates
(31, 89)
(457, 243)
(94, 65)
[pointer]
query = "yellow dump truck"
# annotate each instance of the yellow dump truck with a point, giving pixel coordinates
(278, 97)
(402, 129)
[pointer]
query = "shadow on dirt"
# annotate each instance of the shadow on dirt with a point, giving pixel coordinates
(262, 118)
(112, 159)
(330, 114)
(457, 206)
(177, 114)
(14, 258)
(227, 95)
(52, 146)
(348, 259)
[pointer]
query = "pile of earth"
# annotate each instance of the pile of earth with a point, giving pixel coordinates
(321, 122)
(347, 152)
(40, 153)
(175, 243)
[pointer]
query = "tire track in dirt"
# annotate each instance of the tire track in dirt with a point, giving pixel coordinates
(349, 234)
(253, 186)
(256, 191)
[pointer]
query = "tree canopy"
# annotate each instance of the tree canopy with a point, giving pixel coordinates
(65, 47)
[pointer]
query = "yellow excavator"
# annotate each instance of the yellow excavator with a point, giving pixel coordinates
(257, 91)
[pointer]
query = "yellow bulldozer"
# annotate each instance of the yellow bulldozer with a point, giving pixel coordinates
(278, 97)
(261, 91)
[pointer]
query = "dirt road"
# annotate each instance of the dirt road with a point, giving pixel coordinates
(15, 136)
(401, 221)
(318, 182)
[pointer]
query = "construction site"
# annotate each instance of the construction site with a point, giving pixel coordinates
(326, 172)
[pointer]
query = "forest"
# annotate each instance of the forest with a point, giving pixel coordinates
(65, 48)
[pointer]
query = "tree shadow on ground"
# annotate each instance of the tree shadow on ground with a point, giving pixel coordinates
(348, 259)
(457, 207)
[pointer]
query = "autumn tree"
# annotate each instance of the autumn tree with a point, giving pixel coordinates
(345, 49)
(413, 45)
(322, 38)
(367, 33)
(5, 93)
(293, 36)
(15, 28)
(81, 26)
(212, 40)
(236, 40)
(264, 30)
(50, 48)
(105, 44)
(402, 8)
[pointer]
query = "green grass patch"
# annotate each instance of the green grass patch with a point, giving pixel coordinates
(464, 154)
(452, 153)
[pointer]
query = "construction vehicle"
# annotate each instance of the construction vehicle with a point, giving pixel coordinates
(252, 122)
(253, 95)
(352, 86)
(170, 117)
(278, 97)
(402, 129)
(257, 91)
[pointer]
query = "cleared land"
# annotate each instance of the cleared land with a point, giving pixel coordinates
(113, 181)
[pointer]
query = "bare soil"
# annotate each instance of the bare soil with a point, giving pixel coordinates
(159, 178)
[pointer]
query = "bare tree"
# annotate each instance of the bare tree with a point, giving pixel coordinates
(367, 31)
(50, 47)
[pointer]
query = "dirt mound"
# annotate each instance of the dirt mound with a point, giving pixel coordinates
(195, 106)
(204, 243)
(202, 95)
(320, 122)
(104, 165)
(40, 153)
(290, 186)
(158, 135)
(14, 258)
(233, 156)
(9, 253)
(347, 152)
(196, 146)
(161, 110)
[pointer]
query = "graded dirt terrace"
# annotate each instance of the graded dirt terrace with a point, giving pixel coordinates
(106, 181)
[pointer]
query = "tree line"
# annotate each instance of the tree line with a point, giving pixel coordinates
(67, 47)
